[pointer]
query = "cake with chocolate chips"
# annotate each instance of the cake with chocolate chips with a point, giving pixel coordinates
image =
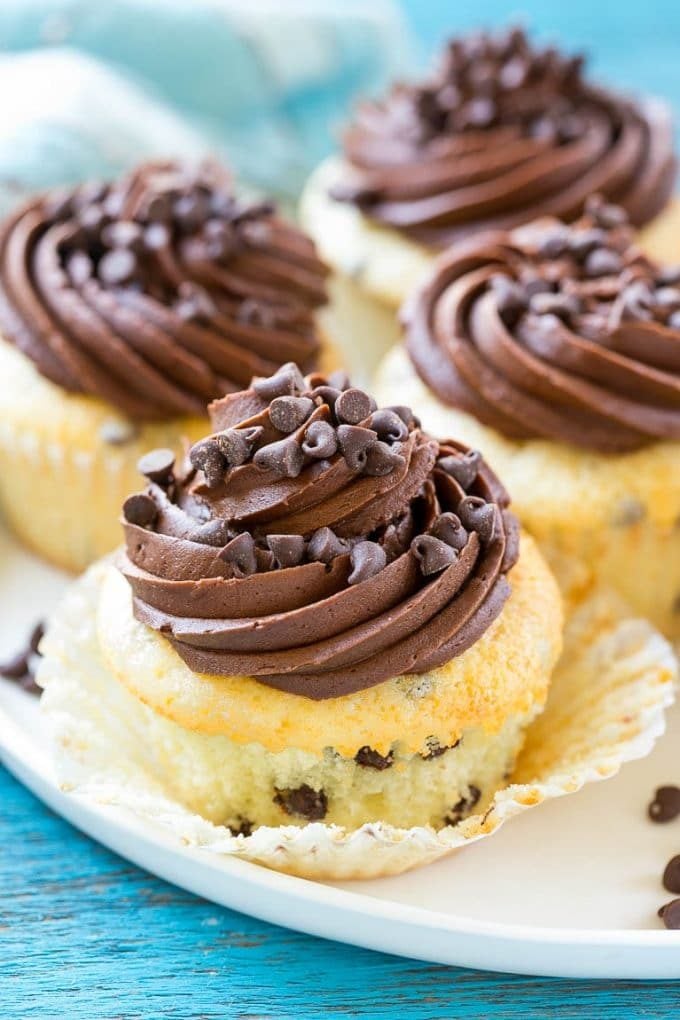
(325, 614)
(124, 309)
(556, 349)
(502, 132)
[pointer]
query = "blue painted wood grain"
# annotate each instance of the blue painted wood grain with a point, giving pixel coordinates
(86, 936)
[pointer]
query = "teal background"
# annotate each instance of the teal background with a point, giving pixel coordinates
(86, 936)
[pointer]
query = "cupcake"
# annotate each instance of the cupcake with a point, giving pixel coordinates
(556, 349)
(326, 648)
(502, 133)
(124, 309)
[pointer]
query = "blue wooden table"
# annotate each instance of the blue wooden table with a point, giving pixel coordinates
(86, 936)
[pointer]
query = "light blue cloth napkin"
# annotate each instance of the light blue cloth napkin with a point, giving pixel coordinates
(89, 87)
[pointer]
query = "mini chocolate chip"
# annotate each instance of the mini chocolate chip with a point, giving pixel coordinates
(605, 214)
(367, 559)
(562, 305)
(464, 467)
(91, 219)
(288, 413)
(287, 381)
(15, 667)
(670, 914)
(205, 456)
(116, 267)
(240, 554)
(36, 637)
(303, 802)
(553, 244)
(371, 759)
(122, 234)
(328, 394)
(156, 236)
(352, 406)
(602, 262)
(157, 466)
(190, 210)
(667, 297)
(464, 806)
(320, 440)
(284, 458)
(236, 445)
(324, 546)
(479, 112)
(339, 380)
(666, 804)
(671, 875)
(432, 554)
(668, 275)
(537, 285)
(511, 299)
(388, 425)
(288, 550)
(80, 268)
(140, 509)
(404, 412)
(382, 459)
(478, 515)
(582, 242)
(354, 442)
(449, 529)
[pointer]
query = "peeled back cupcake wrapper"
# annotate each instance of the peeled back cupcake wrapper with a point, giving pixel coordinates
(606, 707)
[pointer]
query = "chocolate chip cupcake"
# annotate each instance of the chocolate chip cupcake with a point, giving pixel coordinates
(556, 349)
(503, 132)
(324, 615)
(124, 309)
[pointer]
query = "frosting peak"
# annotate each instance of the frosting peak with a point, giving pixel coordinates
(566, 332)
(502, 133)
(317, 542)
(159, 292)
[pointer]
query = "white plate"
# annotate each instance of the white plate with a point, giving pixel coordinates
(568, 889)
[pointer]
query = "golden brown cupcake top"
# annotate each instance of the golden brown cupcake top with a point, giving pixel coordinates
(158, 292)
(502, 133)
(318, 543)
(555, 331)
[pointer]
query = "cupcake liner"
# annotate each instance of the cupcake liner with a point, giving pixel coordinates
(606, 707)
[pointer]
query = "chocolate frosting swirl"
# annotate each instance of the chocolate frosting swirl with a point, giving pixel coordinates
(159, 292)
(504, 132)
(371, 552)
(561, 332)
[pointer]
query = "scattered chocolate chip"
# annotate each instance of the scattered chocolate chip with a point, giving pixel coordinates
(670, 914)
(205, 456)
(667, 297)
(236, 445)
(464, 806)
(284, 458)
(432, 554)
(449, 529)
(511, 299)
(582, 242)
(353, 406)
(537, 285)
(324, 546)
(371, 759)
(189, 211)
(156, 236)
(671, 875)
(382, 459)
(320, 440)
(80, 268)
(478, 515)
(288, 413)
(602, 262)
(288, 550)
(157, 466)
(388, 426)
(367, 559)
(22, 666)
(553, 244)
(562, 305)
(288, 381)
(140, 509)
(117, 267)
(122, 234)
(666, 804)
(117, 433)
(354, 442)
(303, 802)
(16, 666)
(605, 214)
(464, 468)
(240, 554)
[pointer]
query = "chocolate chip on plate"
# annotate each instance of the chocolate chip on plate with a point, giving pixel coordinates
(670, 914)
(671, 875)
(665, 806)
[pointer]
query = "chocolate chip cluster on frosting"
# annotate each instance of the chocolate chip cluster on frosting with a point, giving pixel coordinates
(503, 132)
(159, 292)
(317, 542)
(563, 332)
